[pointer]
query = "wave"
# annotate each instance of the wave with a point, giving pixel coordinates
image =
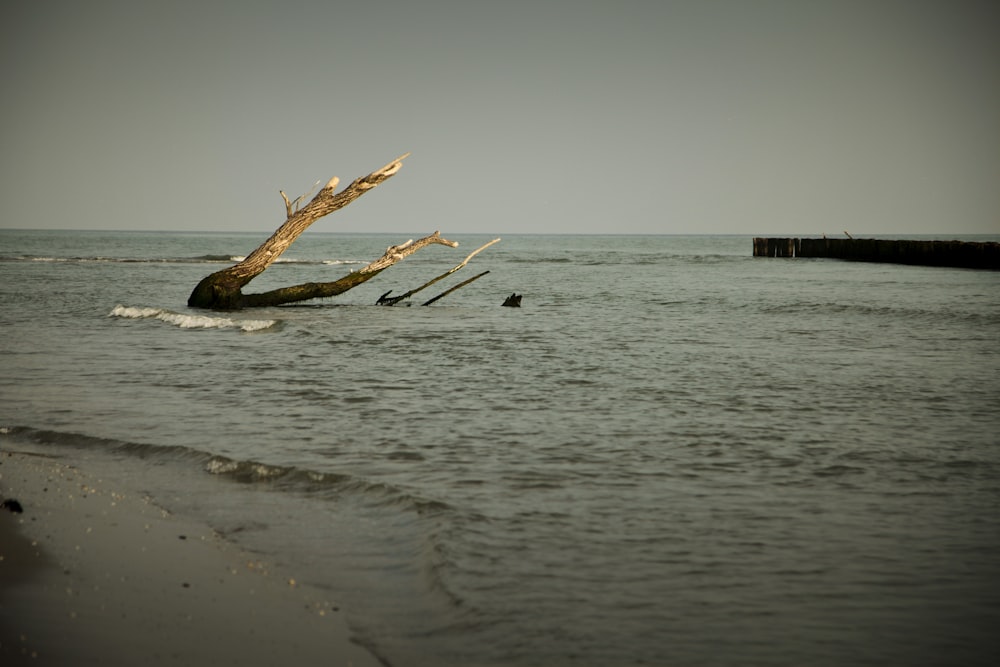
(314, 483)
(540, 260)
(331, 262)
(278, 478)
(293, 260)
(904, 313)
(185, 321)
(198, 259)
(98, 259)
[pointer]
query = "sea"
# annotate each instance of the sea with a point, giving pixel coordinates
(672, 453)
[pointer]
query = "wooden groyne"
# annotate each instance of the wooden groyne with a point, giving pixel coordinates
(962, 254)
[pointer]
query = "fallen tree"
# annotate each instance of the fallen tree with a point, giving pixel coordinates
(223, 290)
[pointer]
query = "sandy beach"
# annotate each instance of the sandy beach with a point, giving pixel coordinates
(92, 572)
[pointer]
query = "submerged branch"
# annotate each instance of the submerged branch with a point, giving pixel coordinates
(449, 291)
(386, 300)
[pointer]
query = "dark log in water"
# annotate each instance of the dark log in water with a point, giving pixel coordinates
(513, 301)
(962, 254)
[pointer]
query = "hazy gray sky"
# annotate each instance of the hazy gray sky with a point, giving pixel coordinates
(707, 116)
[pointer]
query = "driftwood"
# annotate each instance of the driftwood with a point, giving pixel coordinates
(386, 300)
(222, 290)
(458, 286)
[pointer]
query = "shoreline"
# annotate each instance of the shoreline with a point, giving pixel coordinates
(93, 572)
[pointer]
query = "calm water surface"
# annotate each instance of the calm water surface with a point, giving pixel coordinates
(672, 454)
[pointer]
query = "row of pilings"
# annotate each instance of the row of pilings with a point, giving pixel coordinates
(962, 254)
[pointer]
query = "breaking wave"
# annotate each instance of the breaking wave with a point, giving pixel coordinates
(278, 478)
(199, 259)
(294, 260)
(185, 321)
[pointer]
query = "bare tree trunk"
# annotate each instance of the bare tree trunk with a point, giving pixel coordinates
(222, 290)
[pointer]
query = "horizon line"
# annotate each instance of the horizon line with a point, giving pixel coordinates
(493, 233)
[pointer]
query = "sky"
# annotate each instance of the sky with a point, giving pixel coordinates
(794, 117)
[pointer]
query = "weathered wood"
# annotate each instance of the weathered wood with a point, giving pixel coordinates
(960, 254)
(386, 300)
(458, 286)
(321, 290)
(222, 289)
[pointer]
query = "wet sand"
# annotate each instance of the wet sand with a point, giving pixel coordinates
(94, 573)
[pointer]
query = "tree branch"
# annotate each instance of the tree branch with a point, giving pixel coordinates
(386, 300)
(307, 291)
(449, 291)
(292, 206)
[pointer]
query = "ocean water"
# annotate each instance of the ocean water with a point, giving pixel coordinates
(672, 454)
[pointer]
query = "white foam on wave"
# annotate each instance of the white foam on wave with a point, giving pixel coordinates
(280, 260)
(293, 260)
(189, 321)
(217, 466)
